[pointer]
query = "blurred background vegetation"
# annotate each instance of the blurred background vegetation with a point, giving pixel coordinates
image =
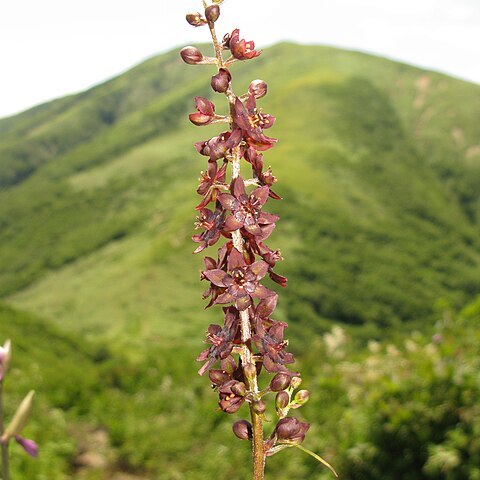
(379, 167)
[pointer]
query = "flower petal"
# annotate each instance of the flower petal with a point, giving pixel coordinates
(259, 268)
(238, 187)
(261, 194)
(262, 292)
(229, 202)
(254, 229)
(203, 105)
(200, 119)
(242, 303)
(216, 276)
(235, 260)
(224, 298)
(232, 224)
(266, 218)
(266, 306)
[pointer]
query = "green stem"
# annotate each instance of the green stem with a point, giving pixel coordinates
(4, 445)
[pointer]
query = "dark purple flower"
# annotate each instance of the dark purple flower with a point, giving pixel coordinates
(241, 49)
(264, 178)
(222, 340)
(257, 247)
(230, 401)
(213, 223)
(205, 112)
(241, 283)
(210, 264)
(252, 123)
(290, 430)
(221, 81)
(221, 146)
(210, 183)
(246, 210)
(271, 345)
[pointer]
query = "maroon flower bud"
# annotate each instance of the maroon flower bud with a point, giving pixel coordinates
(280, 381)
(282, 400)
(302, 397)
(259, 407)
(290, 430)
(212, 13)
(221, 81)
(191, 55)
(218, 377)
(205, 112)
(195, 19)
(243, 430)
(258, 88)
(239, 389)
(228, 365)
(229, 402)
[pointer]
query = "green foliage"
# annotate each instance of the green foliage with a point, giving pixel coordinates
(405, 411)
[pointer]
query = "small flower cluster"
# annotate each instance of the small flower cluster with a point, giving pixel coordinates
(20, 419)
(234, 210)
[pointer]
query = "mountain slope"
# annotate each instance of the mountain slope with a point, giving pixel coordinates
(377, 162)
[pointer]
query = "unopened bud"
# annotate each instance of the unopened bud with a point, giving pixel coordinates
(243, 430)
(5, 357)
(195, 19)
(286, 427)
(258, 88)
(280, 381)
(212, 13)
(228, 364)
(221, 81)
(218, 377)
(302, 397)
(282, 400)
(239, 389)
(250, 371)
(259, 407)
(296, 382)
(20, 418)
(191, 55)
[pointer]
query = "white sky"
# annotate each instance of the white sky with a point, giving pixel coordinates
(49, 48)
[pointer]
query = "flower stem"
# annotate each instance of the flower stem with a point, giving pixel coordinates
(4, 445)
(245, 330)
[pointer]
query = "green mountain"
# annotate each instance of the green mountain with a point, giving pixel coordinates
(378, 164)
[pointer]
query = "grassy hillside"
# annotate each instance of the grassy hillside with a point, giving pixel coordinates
(379, 166)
